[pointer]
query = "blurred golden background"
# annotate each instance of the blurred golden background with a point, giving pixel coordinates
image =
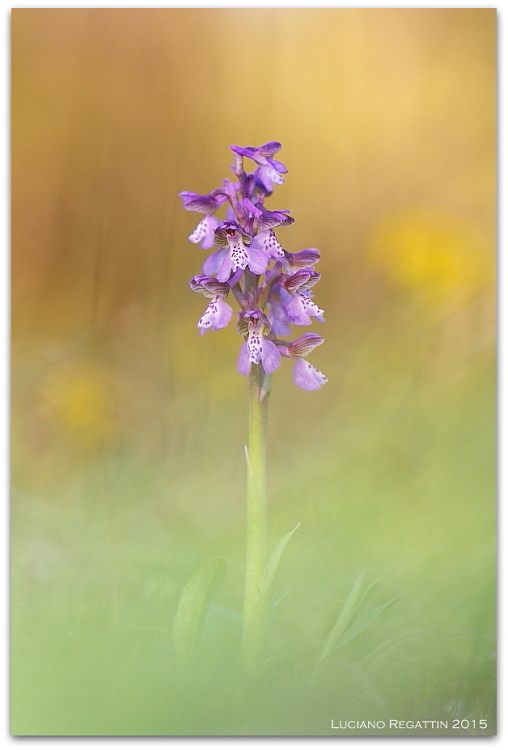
(128, 427)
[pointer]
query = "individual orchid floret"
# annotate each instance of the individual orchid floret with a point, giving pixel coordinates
(301, 307)
(239, 253)
(305, 375)
(270, 170)
(205, 204)
(218, 313)
(256, 348)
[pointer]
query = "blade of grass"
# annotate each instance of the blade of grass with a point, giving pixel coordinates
(193, 606)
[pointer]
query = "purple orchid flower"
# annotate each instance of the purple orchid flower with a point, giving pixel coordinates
(270, 170)
(301, 307)
(218, 313)
(257, 348)
(206, 204)
(305, 375)
(239, 254)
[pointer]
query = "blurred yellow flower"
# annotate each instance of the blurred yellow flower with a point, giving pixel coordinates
(434, 254)
(81, 399)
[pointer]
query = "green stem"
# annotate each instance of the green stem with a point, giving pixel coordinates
(255, 618)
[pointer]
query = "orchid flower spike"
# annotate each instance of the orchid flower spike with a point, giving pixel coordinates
(271, 285)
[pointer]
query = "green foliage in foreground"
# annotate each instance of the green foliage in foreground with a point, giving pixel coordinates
(408, 498)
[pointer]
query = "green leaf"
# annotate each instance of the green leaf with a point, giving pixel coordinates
(362, 623)
(195, 601)
(354, 599)
(368, 590)
(268, 576)
(262, 609)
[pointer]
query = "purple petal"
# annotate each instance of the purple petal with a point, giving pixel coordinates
(269, 149)
(298, 279)
(196, 283)
(244, 364)
(267, 176)
(213, 262)
(248, 151)
(268, 219)
(225, 268)
(259, 154)
(249, 205)
(305, 344)
(270, 356)
(257, 260)
(278, 319)
(303, 259)
(213, 287)
(307, 377)
(278, 165)
(205, 204)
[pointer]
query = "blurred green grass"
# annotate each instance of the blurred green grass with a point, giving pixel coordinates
(400, 482)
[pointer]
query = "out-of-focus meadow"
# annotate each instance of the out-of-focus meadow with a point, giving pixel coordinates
(128, 427)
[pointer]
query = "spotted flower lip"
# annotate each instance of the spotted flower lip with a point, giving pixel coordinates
(268, 243)
(257, 348)
(301, 309)
(204, 234)
(217, 315)
(306, 376)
